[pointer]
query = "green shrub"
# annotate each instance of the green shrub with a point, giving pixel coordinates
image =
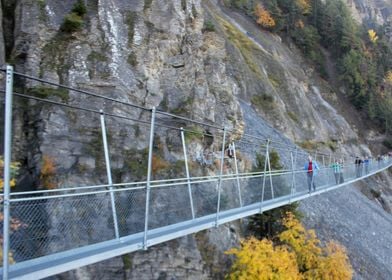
(269, 224)
(132, 59)
(45, 92)
(208, 26)
(79, 8)
(263, 101)
(147, 4)
(72, 22)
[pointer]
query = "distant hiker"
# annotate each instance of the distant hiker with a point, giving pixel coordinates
(230, 151)
(341, 177)
(311, 168)
(379, 160)
(336, 171)
(358, 167)
(366, 163)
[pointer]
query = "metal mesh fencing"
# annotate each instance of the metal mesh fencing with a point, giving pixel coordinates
(205, 197)
(251, 189)
(169, 205)
(229, 194)
(58, 224)
(130, 208)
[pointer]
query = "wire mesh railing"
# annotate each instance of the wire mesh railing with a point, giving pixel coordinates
(145, 170)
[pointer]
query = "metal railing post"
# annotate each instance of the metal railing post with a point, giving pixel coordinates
(148, 186)
(220, 176)
(295, 164)
(109, 175)
(7, 170)
(323, 161)
(187, 172)
(265, 171)
(270, 175)
(236, 174)
(292, 175)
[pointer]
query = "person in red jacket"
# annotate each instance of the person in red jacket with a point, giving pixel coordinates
(311, 168)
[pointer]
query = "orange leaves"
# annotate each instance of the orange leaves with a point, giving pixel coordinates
(264, 18)
(48, 172)
(158, 163)
(299, 256)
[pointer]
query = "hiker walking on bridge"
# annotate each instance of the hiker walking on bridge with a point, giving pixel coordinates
(311, 168)
(366, 163)
(336, 171)
(358, 167)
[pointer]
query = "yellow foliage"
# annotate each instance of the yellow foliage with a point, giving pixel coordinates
(372, 35)
(388, 77)
(302, 241)
(13, 170)
(10, 257)
(304, 5)
(335, 264)
(299, 256)
(48, 172)
(264, 18)
(259, 259)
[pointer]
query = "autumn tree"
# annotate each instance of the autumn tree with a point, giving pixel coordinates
(264, 18)
(298, 255)
(260, 259)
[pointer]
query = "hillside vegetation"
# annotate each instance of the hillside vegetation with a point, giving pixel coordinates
(362, 54)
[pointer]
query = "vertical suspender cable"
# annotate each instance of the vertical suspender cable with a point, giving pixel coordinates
(187, 172)
(265, 172)
(7, 166)
(236, 174)
(220, 176)
(148, 184)
(109, 175)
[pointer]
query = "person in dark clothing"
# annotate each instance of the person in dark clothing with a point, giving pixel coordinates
(358, 167)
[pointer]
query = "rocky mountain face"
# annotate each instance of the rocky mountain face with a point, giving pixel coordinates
(371, 11)
(166, 54)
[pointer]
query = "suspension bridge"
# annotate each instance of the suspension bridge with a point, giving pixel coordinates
(135, 197)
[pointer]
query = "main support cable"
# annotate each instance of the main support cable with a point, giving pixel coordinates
(211, 125)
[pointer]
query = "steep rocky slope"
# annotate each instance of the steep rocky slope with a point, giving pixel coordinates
(371, 11)
(157, 53)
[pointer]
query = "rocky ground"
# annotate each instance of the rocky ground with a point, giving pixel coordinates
(359, 224)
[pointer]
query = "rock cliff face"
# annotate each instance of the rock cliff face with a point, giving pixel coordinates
(159, 53)
(371, 11)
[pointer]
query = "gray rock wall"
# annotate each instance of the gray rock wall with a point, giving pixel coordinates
(155, 53)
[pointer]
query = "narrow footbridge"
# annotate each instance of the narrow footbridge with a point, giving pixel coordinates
(152, 176)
